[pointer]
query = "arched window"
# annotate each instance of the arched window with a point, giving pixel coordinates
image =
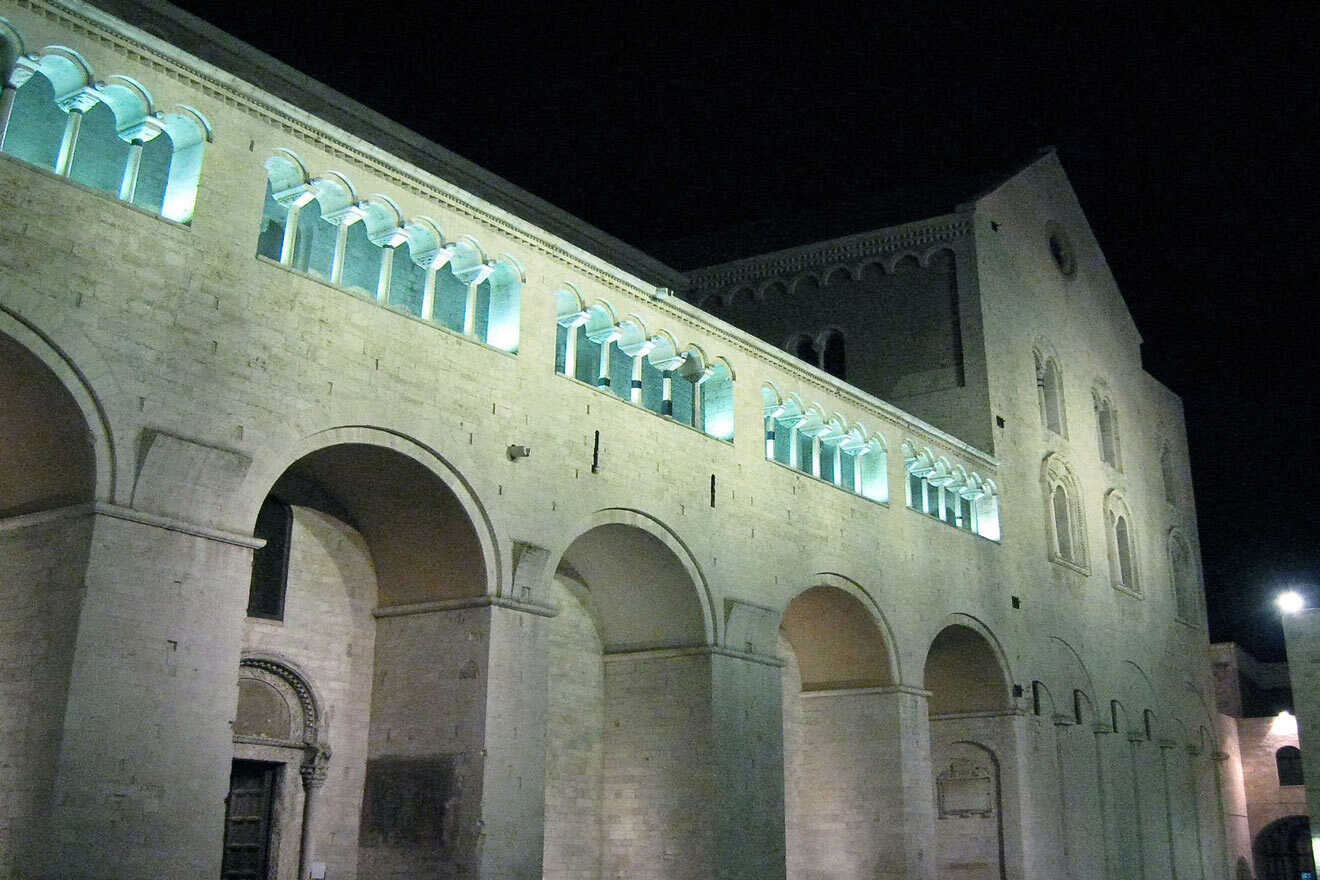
(1067, 532)
(1289, 762)
(1122, 544)
(1049, 391)
(1184, 579)
(804, 349)
(949, 494)
(270, 564)
(106, 135)
(1168, 475)
(833, 358)
(1106, 423)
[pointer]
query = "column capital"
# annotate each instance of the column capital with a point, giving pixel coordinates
(314, 766)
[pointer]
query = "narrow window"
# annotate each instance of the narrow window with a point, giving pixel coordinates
(833, 358)
(270, 564)
(1108, 431)
(1180, 560)
(1166, 471)
(1289, 761)
(1123, 544)
(804, 349)
(1062, 524)
(1049, 382)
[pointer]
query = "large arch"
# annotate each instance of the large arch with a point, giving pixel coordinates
(1282, 849)
(27, 343)
(49, 473)
(412, 460)
(974, 752)
(388, 566)
(629, 742)
(844, 734)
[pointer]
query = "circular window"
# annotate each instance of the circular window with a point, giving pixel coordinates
(1062, 251)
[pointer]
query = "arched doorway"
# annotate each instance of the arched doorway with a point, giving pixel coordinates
(47, 478)
(629, 790)
(970, 729)
(371, 585)
(842, 740)
(1282, 850)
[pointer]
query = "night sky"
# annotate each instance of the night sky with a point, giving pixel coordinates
(1189, 136)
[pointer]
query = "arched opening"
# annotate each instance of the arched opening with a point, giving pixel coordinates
(377, 552)
(841, 739)
(628, 739)
(1282, 850)
(970, 729)
(47, 470)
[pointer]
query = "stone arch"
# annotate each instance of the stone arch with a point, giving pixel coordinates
(31, 344)
(839, 636)
(972, 740)
(459, 496)
(1069, 674)
(964, 644)
(1282, 849)
(309, 725)
(644, 536)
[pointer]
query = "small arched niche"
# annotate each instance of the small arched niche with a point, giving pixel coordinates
(836, 641)
(963, 673)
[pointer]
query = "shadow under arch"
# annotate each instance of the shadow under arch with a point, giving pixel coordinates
(350, 463)
(831, 601)
(608, 550)
(28, 342)
(963, 643)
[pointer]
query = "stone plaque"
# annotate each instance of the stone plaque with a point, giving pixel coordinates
(965, 790)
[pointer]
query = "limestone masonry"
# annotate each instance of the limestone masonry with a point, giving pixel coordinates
(364, 516)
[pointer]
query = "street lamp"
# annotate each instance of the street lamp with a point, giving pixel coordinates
(1290, 601)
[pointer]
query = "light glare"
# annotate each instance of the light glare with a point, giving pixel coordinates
(1290, 602)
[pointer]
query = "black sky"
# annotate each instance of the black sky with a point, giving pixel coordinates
(1189, 136)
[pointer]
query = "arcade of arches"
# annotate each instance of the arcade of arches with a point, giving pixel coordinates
(392, 717)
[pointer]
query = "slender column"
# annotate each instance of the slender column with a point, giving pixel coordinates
(857, 473)
(769, 437)
(290, 234)
(428, 293)
(793, 454)
(570, 350)
(1165, 747)
(470, 304)
(132, 165)
(603, 373)
(1134, 741)
(1061, 725)
(635, 387)
(815, 456)
(386, 273)
(838, 466)
(667, 393)
(1192, 753)
(697, 420)
(313, 777)
(341, 248)
(1219, 758)
(69, 143)
(7, 96)
(1100, 730)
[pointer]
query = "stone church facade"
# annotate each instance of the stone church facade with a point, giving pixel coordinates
(363, 516)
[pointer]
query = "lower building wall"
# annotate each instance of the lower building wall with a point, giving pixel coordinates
(42, 562)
